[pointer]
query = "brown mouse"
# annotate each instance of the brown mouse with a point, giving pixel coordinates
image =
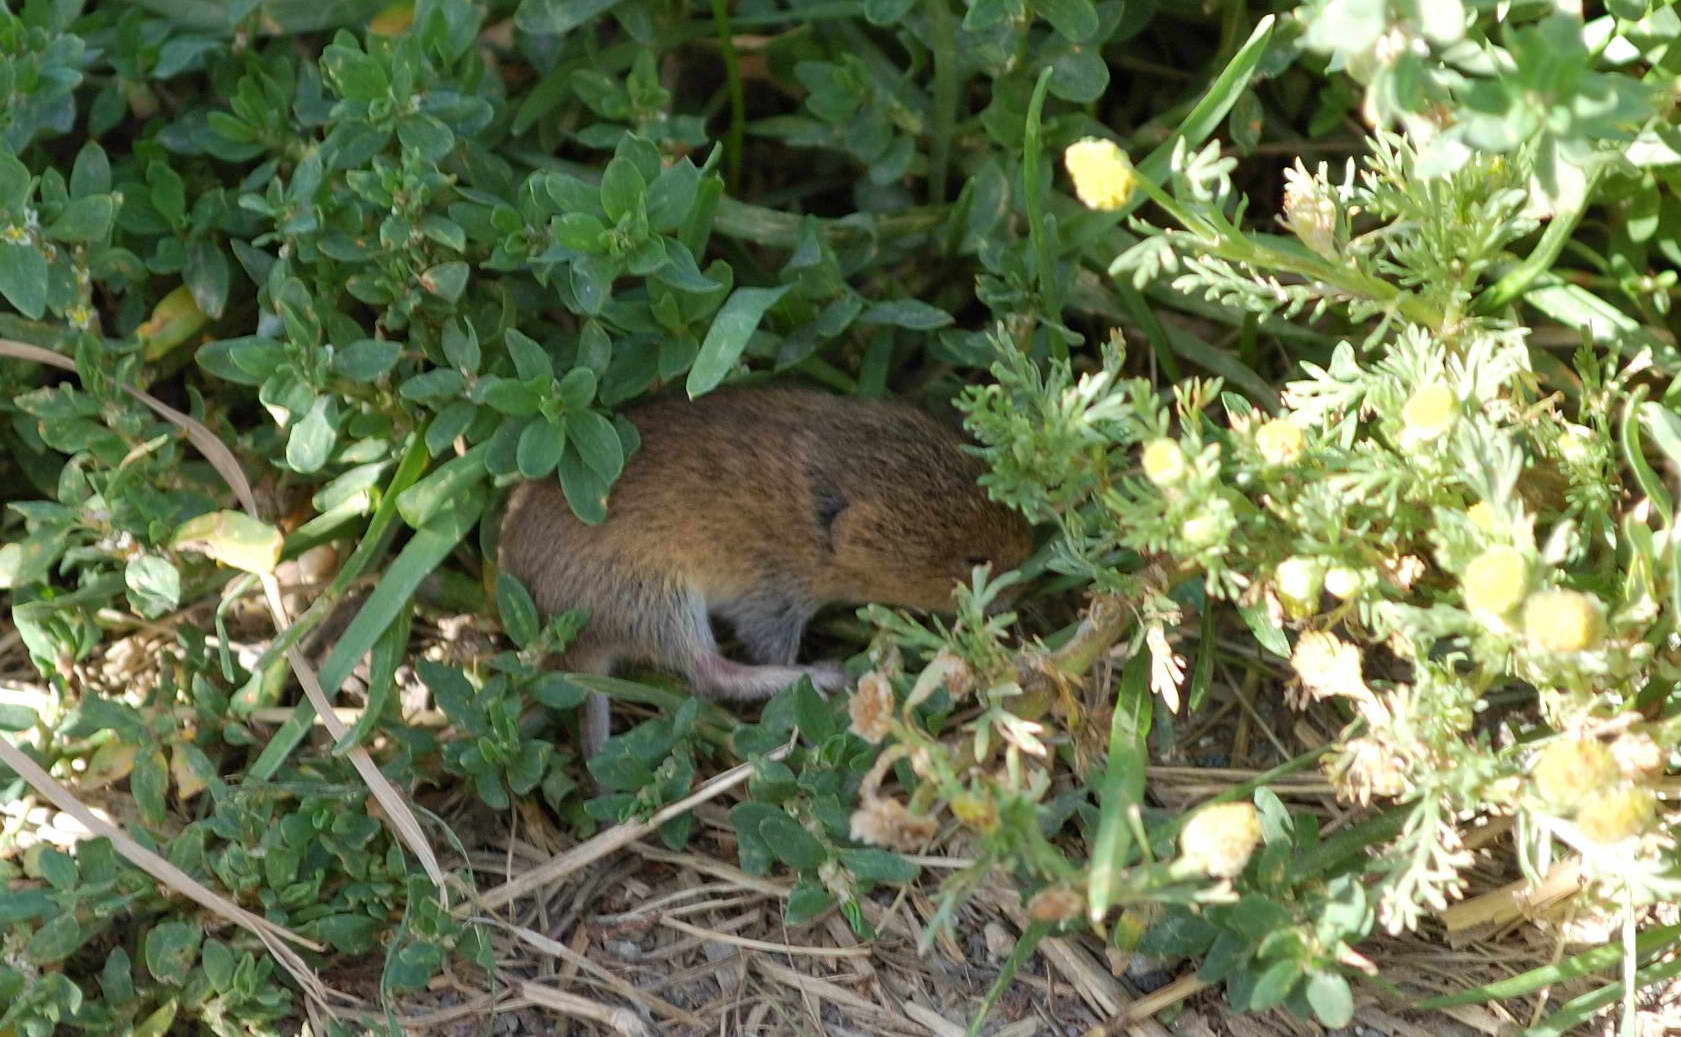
(758, 506)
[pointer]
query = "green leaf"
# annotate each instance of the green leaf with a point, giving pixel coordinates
(451, 482)
(597, 443)
(171, 949)
(577, 389)
(873, 865)
(1074, 20)
(735, 323)
(586, 490)
(806, 901)
(14, 182)
(446, 280)
(207, 276)
(518, 611)
(558, 691)
(1332, 1000)
(905, 313)
(623, 191)
(540, 446)
(154, 585)
(363, 361)
(530, 359)
(23, 278)
(1274, 985)
(312, 438)
(427, 137)
(553, 17)
(56, 940)
(792, 844)
(84, 220)
(1122, 789)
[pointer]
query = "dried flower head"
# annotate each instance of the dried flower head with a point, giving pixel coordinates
(1639, 756)
(1612, 815)
(1328, 666)
(1562, 620)
(1103, 175)
(1367, 768)
(1310, 211)
(1496, 580)
(1218, 840)
(1164, 462)
(1280, 441)
(871, 708)
(1055, 904)
(1428, 413)
(888, 822)
(1570, 768)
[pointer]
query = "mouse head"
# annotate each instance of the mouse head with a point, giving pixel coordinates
(916, 523)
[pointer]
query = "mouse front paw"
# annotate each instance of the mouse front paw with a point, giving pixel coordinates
(827, 677)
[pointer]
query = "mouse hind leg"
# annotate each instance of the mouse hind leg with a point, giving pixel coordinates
(770, 628)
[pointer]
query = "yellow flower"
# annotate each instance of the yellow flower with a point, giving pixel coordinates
(871, 708)
(1102, 173)
(1164, 463)
(1218, 840)
(1570, 769)
(1279, 441)
(1612, 815)
(1496, 580)
(1428, 413)
(1562, 620)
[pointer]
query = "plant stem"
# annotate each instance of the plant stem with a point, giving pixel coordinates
(942, 28)
(738, 99)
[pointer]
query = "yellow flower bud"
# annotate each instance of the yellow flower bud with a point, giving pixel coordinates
(1202, 529)
(1298, 581)
(1569, 769)
(1164, 462)
(1428, 413)
(1102, 173)
(1343, 582)
(1279, 441)
(1218, 840)
(392, 20)
(1482, 516)
(1562, 620)
(975, 812)
(1612, 815)
(1496, 580)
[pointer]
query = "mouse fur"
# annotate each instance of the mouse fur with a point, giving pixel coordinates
(758, 506)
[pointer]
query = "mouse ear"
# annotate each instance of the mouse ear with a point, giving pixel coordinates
(827, 503)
